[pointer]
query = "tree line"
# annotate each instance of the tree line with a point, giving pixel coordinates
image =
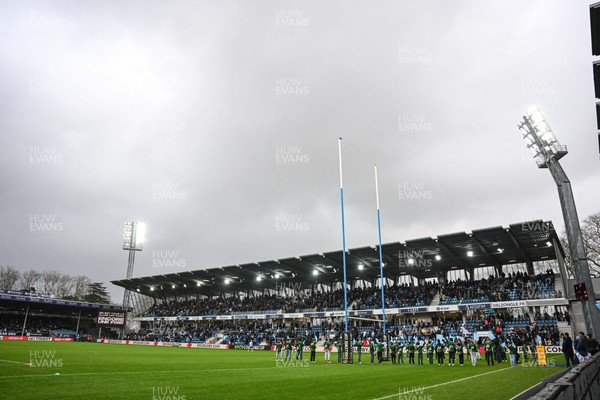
(54, 283)
(590, 230)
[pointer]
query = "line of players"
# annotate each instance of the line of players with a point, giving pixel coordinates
(398, 351)
(291, 346)
(455, 349)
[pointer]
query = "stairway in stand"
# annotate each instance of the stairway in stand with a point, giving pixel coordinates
(436, 300)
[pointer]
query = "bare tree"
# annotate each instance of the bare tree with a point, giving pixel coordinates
(81, 286)
(590, 230)
(8, 277)
(65, 286)
(29, 279)
(591, 242)
(50, 280)
(568, 262)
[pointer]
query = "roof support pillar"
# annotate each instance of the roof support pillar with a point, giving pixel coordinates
(529, 264)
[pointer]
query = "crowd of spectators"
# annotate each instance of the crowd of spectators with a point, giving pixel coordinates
(519, 329)
(360, 298)
(513, 286)
(175, 332)
(396, 296)
(43, 326)
(227, 305)
(505, 287)
(228, 332)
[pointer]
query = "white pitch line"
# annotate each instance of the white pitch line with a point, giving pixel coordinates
(148, 372)
(442, 384)
(15, 362)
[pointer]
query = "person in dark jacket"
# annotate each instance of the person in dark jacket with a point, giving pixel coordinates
(591, 345)
(580, 347)
(567, 349)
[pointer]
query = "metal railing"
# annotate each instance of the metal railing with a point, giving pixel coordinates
(582, 382)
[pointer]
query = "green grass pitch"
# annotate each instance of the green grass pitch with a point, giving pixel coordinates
(131, 372)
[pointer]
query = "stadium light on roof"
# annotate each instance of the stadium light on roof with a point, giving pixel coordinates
(360, 267)
(315, 272)
(277, 276)
(438, 257)
(470, 253)
(227, 280)
(258, 278)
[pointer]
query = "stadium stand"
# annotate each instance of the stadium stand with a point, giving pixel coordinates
(28, 314)
(516, 286)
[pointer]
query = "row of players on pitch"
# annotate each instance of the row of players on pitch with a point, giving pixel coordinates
(398, 351)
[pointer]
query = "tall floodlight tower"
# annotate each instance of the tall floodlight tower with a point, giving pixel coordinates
(133, 237)
(547, 151)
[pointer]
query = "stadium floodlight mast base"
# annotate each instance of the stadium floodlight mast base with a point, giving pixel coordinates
(133, 237)
(547, 151)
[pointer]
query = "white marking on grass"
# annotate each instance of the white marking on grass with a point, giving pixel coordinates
(518, 394)
(443, 383)
(15, 362)
(145, 372)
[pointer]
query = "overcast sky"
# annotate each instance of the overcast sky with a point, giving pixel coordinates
(216, 124)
